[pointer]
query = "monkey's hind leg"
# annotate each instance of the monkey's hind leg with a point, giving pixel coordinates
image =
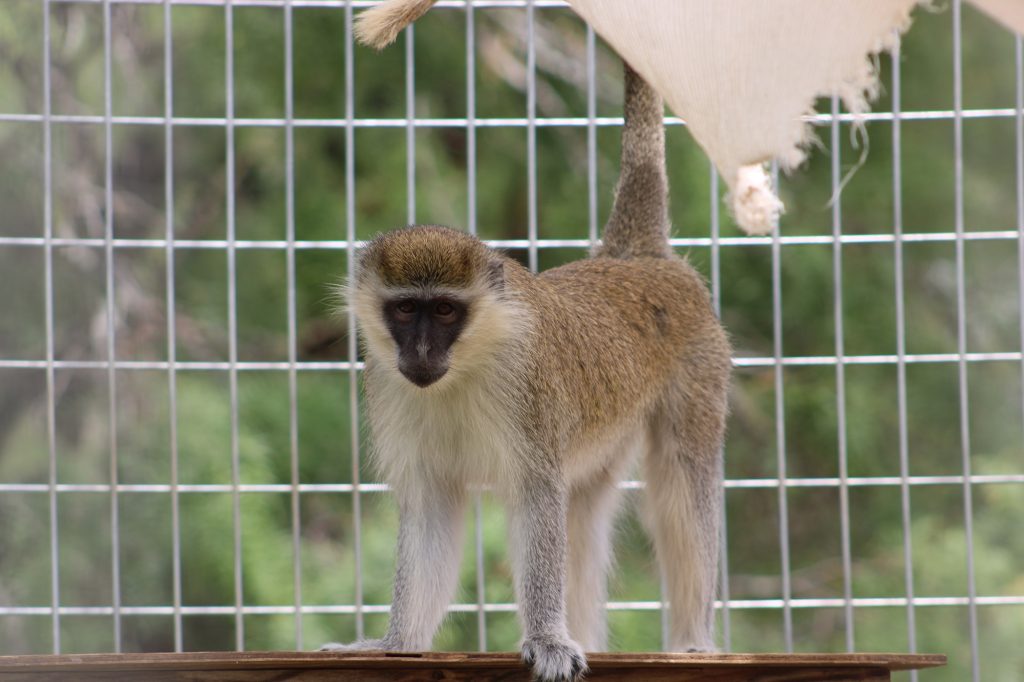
(683, 512)
(592, 508)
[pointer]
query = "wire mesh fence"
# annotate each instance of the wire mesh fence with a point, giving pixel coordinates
(182, 464)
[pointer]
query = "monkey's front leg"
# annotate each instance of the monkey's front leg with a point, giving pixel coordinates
(427, 567)
(539, 545)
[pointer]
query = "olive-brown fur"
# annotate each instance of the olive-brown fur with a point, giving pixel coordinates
(610, 334)
(426, 255)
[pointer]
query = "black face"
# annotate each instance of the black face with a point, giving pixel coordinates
(424, 330)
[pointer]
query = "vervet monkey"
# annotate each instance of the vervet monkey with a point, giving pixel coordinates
(544, 387)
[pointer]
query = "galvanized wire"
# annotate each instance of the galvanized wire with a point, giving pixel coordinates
(110, 247)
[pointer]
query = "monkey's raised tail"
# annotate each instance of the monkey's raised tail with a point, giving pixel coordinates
(380, 25)
(638, 226)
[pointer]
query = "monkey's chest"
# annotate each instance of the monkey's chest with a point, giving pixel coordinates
(464, 437)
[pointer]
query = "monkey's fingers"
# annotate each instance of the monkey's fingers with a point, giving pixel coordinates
(361, 645)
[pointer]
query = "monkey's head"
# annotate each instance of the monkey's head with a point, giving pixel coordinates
(431, 302)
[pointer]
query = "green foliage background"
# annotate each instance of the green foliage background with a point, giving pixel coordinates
(204, 420)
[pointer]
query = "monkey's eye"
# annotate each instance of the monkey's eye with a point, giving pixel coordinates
(404, 311)
(445, 311)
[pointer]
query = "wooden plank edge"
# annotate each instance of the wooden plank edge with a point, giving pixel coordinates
(432, 660)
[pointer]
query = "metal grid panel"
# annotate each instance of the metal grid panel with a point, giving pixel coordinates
(715, 242)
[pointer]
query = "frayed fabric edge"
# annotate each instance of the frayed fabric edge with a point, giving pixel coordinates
(753, 201)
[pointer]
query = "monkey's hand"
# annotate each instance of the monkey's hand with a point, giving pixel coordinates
(554, 659)
(361, 645)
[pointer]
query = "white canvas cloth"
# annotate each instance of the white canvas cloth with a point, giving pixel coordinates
(1010, 12)
(742, 73)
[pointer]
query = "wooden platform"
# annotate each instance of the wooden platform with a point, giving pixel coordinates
(450, 667)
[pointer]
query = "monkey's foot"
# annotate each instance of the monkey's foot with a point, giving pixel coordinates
(554, 659)
(361, 645)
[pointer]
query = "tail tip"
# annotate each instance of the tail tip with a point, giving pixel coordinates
(376, 27)
(380, 25)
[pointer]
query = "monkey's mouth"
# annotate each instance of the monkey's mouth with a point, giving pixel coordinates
(423, 376)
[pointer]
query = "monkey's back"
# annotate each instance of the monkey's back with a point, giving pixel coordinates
(615, 334)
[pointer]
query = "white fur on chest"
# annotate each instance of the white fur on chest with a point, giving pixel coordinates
(459, 433)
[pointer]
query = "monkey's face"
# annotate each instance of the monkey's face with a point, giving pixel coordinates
(424, 329)
(433, 307)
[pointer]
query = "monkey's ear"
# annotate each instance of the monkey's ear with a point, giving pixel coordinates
(496, 274)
